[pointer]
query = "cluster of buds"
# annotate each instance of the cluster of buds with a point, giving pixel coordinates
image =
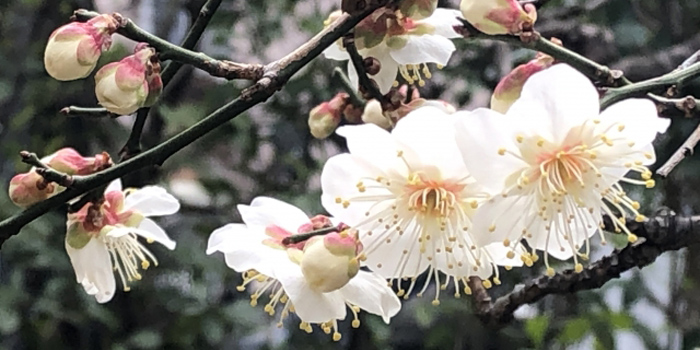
(509, 88)
(134, 82)
(30, 187)
(325, 118)
(73, 49)
(499, 16)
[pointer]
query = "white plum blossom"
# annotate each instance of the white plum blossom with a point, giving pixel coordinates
(406, 48)
(104, 239)
(318, 279)
(556, 163)
(412, 199)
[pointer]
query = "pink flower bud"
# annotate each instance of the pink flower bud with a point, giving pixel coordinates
(329, 262)
(73, 49)
(69, 161)
(125, 86)
(498, 16)
(29, 188)
(418, 9)
(509, 88)
(324, 118)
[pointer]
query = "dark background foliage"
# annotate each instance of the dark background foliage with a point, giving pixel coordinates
(190, 300)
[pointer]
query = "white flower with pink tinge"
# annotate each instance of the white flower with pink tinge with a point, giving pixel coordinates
(102, 239)
(318, 279)
(556, 163)
(412, 199)
(406, 48)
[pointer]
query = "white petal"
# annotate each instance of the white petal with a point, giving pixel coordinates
(370, 142)
(479, 135)
(309, 305)
(371, 293)
(152, 201)
(266, 211)
(558, 99)
(336, 52)
(424, 49)
(389, 259)
(640, 120)
(444, 20)
(430, 133)
(93, 269)
(387, 74)
(148, 229)
(555, 245)
(503, 218)
(115, 185)
(244, 249)
(340, 175)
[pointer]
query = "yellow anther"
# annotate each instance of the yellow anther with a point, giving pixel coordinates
(435, 302)
(621, 127)
(338, 200)
(635, 205)
(336, 336)
(487, 284)
(632, 238)
(346, 204)
(126, 289)
(519, 138)
(639, 218)
(240, 288)
(648, 155)
(474, 204)
(502, 151)
(492, 228)
(467, 290)
(578, 268)
(550, 272)
(540, 142)
(596, 121)
(150, 240)
(650, 183)
(510, 254)
(506, 242)
(496, 281)
(145, 264)
(631, 143)
(355, 323)
(508, 267)
(646, 175)
(399, 153)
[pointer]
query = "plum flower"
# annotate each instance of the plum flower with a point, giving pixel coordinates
(412, 199)
(103, 238)
(558, 163)
(405, 46)
(317, 279)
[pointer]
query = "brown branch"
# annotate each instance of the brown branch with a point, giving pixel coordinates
(687, 107)
(367, 86)
(685, 150)
(664, 232)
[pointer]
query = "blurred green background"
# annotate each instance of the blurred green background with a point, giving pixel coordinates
(190, 300)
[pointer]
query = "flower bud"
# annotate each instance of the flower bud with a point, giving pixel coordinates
(418, 9)
(374, 114)
(324, 118)
(29, 188)
(125, 86)
(73, 49)
(498, 16)
(509, 88)
(330, 261)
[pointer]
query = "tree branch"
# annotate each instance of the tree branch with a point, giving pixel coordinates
(367, 85)
(685, 150)
(666, 231)
(276, 75)
(168, 51)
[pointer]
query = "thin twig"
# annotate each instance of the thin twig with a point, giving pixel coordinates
(685, 150)
(276, 76)
(300, 237)
(687, 107)
(75, 111)
(367, 85)
(168, 51)
(49, 174)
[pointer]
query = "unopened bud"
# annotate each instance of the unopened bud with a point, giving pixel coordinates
(509, 88)
(73, 49)
(329, 262)
(324, 118)
(125, 86)
(374, 114)
(30, 188)
(498, 16)
(372, 65)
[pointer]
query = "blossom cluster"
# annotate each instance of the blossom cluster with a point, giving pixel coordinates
(423, 189)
